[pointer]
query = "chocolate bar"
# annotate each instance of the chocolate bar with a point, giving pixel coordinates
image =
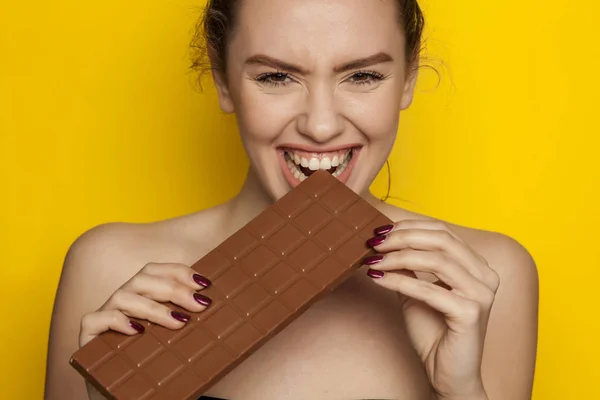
(263, 277)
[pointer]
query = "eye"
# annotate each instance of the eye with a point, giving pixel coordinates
(274, 78)
(366, 77)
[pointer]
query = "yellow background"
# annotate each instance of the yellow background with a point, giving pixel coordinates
(99, 122)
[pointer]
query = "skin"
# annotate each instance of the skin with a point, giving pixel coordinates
(396, 336)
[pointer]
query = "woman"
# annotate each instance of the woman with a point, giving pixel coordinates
(319, 83)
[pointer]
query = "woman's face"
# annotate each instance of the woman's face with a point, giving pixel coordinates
(316, 84)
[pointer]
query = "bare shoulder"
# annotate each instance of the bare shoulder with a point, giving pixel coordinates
(116, 251)
(97, 263)
(504, 254)
(106, 250)
(106, 256)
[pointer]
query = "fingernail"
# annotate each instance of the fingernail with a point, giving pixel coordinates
(138, 327)
(205, 301)
(382, 230)
(179, 316)
(375, 274)
(373, 260)
(200, 280)
(376, 241)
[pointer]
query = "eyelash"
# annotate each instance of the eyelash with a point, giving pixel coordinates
(371, 75)
(267, 78)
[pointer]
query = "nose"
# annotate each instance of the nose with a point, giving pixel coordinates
(321, 120)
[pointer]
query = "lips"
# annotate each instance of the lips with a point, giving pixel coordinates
(299, 164)
(303, 164)
(315, 161)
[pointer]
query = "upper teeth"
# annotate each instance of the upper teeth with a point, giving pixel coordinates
(315, 163)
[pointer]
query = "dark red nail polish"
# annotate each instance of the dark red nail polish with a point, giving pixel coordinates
(373, 260)
(205, 301)
(202, 281)
(382, 230)
(375, 274)
(138, 327)
(179, 316)
(376, 241)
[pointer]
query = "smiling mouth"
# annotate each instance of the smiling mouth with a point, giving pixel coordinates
(303, 164)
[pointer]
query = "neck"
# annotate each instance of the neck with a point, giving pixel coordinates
(251, 200)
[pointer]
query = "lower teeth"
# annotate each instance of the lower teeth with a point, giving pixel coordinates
(298, 174)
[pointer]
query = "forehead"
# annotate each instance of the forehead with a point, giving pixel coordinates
(305, 30)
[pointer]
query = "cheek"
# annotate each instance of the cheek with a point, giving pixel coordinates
(263, 117)
(375, 114)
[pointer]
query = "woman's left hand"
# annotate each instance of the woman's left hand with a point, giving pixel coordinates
(446, 320)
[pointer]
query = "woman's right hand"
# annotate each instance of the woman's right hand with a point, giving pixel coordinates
(141, 298)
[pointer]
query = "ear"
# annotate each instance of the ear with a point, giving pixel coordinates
(409, 88)
(225, 100)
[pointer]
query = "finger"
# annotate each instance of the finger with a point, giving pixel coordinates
(166, 290)
(95, 323)
(433, 240)
(437, 263)
(479, 263)
(417, 224)
(458, 311)
(136, 306)
(178, 272)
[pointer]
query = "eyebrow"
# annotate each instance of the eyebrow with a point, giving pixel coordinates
(364, 62)
(261, 59)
